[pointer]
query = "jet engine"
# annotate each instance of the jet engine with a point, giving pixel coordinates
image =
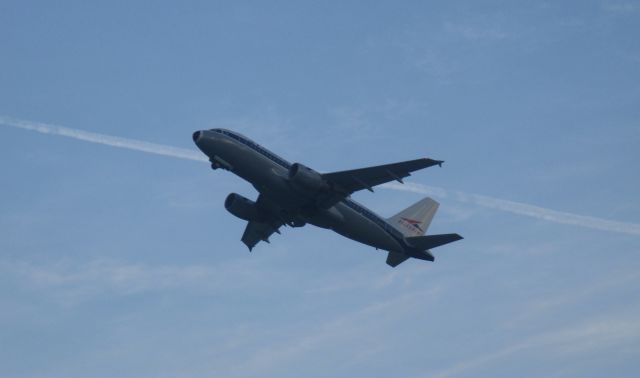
(306, 178)
(242, 207)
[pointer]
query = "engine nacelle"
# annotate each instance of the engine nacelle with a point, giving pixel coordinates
(306, 178)
(242, 207)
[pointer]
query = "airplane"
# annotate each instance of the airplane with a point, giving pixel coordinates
(294, 195)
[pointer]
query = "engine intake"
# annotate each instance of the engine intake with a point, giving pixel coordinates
(242, 207)
(306, 178)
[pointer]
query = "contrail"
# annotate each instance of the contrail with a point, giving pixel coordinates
(131, 144)
(476, 199)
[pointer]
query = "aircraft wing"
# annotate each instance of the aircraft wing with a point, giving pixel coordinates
(257, 231)
(353, 180)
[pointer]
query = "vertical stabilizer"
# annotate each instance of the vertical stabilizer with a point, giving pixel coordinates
(414, 220)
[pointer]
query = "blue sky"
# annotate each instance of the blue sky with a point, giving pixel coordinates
(120, 262)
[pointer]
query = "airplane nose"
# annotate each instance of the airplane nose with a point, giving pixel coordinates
(196, 136)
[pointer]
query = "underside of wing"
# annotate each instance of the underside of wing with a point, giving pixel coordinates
(366, 178)
(344, 183)
(256, 232)
(264, 226)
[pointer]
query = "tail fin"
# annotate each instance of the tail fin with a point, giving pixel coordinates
(414, 220)
(413, 223)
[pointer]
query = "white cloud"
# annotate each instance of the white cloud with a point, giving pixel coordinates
(592, 335)
(554, 303)
(474, 32)
(72, 282)
(621, 7)
(354, 327)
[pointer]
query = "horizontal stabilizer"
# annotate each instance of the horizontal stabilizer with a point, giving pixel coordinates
(396, 258)
(431, 241)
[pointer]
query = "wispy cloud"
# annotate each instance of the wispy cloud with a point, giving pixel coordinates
(70, 283)
(557, 302)
(475, 199)
(474, 32)
(595, 334)
(521, 208)
(360, 324)
(621, 7)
